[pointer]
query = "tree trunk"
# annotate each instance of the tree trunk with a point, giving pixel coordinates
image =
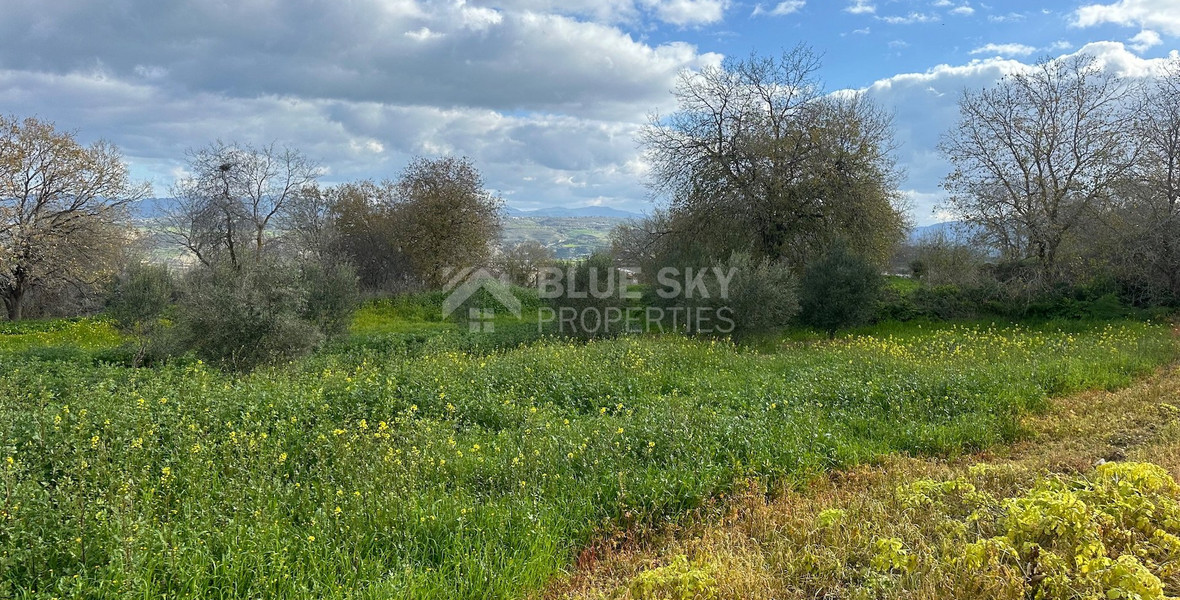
(13, 303)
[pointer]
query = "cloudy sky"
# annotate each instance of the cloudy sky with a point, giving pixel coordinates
(545, 95)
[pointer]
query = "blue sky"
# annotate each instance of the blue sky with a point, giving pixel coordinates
(545, 95)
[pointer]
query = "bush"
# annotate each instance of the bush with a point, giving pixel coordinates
(139, 296)
(1107, 535)
(945, 302)
(840, 289)
(257, 314)
(595, 273)
(896, 304)
(680, 580)
(763, 294)
(139, 299)
(333, 294)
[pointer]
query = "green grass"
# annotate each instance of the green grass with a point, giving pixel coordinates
(463, 471)
(903, 285)
(66, 336)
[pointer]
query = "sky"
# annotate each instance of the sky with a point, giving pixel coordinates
(545, 96)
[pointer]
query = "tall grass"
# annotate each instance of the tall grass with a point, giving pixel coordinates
(446, 473)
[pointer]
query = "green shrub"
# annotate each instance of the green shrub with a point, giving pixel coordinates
(596, 272)
(1107, 535)
(139, 296)
(839, 290)
(332, 296)
(679, 580)
(945, 302)
(138, 303)
(763, 294)
(243, 317)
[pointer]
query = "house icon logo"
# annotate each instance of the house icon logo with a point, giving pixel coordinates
(464, 283)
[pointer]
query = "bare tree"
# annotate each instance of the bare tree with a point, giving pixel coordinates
(367, 232)
(1151, 215)
(232, 202)
(308, 221)
(521, 262)
(757, 143)
(636, 243)
(1035, 155)
(61, 209)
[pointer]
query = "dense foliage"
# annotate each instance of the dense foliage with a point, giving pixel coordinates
(256, 314)
(839, 289)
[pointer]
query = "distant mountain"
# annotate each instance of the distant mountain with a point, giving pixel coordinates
(149, 208)
(583, 211)
(953, 231)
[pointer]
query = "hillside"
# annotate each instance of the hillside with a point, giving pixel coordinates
(568, 237)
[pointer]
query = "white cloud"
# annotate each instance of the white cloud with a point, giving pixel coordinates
(688, 12)
(511, 60)
(964, 11)
(780, 9)
(524, 91)
(1162, 15)
(1006, 18)
(1145, 40)
(1004, 50)
(925, 205)
(422, 34)
(150, 71)
(477, 18)
(861, 7)
(914, 17)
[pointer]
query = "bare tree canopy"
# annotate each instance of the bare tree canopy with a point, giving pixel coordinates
(521, 262)
(234, 199)
(756, 143)
(1037, 154)
(1151, 213)
(60, 207)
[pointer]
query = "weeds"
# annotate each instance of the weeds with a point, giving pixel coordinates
(447, 473)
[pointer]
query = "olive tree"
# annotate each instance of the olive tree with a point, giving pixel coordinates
(839, 289)
(756, 147)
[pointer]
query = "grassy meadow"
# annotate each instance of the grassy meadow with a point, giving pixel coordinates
(415, 460)
(1085, 505)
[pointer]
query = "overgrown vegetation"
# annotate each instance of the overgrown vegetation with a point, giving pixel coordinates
(1075, 511)
(840, 289)
(433, 472)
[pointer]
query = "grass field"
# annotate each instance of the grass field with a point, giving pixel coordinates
(1086, 505)
(443, 468)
